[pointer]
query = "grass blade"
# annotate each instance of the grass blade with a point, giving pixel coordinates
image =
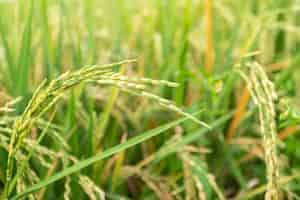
(24, 57)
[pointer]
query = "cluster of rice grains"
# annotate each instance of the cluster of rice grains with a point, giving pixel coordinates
(263, 95)
(44, 155)
(47, 94)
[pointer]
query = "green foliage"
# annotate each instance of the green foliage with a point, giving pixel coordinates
(113, 134)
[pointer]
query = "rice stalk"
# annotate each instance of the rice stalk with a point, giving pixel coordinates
(137, 87)
(263, 94)
(67, 188)
(9, 106)
(201, 193)
(90, 188)
(47, 95)
(210, 179)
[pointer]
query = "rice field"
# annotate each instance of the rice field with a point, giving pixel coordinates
(149, 99)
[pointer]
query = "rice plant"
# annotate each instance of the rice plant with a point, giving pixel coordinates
(199, 99)
(263, 94)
